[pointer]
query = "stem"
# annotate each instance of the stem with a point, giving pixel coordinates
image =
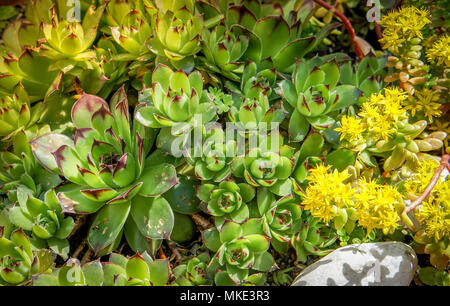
(78, 223)
(437, 174)
(79, 249)
(174, 250)
(202, 222)
(379, 32)
(86, 256)
(347, 24)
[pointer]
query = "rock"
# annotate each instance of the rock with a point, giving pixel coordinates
(367, 264)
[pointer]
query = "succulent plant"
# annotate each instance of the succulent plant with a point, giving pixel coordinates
(313, 238)
(212, 162)
(25, 68)
(17, 113)
(255, 114)
(130, 30)
(45, 220)
(271, 37)
(228, 201)
(106, 163)
(223, 50)
(239, 249)
(20, 173)
(175, 97)
(193, 272)
(268, 165)
(366, 75)
(406, 144)
(439, 251)
(70, 40)
(280, 218)
(17, 260)
(138, 270)
(178, 30)
(316, 98)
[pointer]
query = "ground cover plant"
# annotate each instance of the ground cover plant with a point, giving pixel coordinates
(219, 142)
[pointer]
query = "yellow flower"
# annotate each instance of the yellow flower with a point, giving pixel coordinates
(402, 25)
(351, 128)
(378, 206)
(327, 192)
(424, 100)
(434, 212)
(381, 112)
(435, 217)
(440, 51)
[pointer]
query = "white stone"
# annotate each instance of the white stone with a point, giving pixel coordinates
(368, 264)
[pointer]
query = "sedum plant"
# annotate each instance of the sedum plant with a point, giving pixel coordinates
(109, 173)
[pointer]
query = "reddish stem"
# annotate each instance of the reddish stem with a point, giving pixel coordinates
(437, 174)
(347, 24)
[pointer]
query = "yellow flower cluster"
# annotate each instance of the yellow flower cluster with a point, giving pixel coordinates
(425, 101)
(402, 25)
(382, 111)
(434, 212)
(351, 129)
(327, 192)
(377, 206)
(440, 51)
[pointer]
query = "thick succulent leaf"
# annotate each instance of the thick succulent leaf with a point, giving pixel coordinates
(230, 231)
(84, 108)
(111, 272)
(107, 225)
(153, 217)
(182, 197)
(157, 179)
(222, 279)
(274, 34)
(211, 238)
(73, 201)
(43, 147)
(321, 122)
(159, 272)
(93, 272)
(137, 268)
(59, 246)
(20, 219)
(348, 95)
(341, 159)
(137, 241)
(312, 146)
(258, 243)
(298, 127)
(285, 59)
(264, 262)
